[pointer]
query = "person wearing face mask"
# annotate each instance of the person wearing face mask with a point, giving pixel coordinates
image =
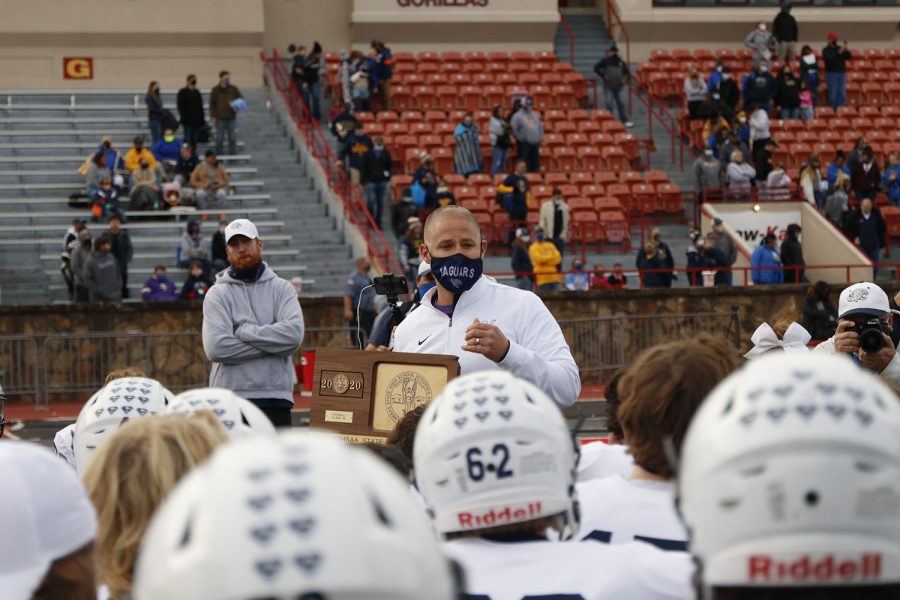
(759, 89)
(222, 113)
(467, 156)
(136, 154)
(578, 280)
(729, 94)
(835, 56)
(194, 247)
(699, 258)
(197, 283)
(740, 175)
(722, 243)
(167, 149)
(767, 261)
(792, 256)
(377, 167)
(252, 325)
(546, 258)
(865, 226)
(486, 324)
(707, 171)
(694, 93)
(809, 71)
(210, 181)
(521, 260)
(102, 273)
(787, 94)
(613, 73)
(761, 42)
(155, 111)
(529, 132)
(359, 302)
(189, 103)
(408, 250)
(715, 76)
(554, 220)
(146, 193)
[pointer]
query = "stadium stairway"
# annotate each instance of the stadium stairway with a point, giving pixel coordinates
(43, 142)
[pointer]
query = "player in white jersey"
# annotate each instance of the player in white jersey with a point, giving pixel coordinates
(789, 483)
(602, 460)
(496, 464)
(659, 392)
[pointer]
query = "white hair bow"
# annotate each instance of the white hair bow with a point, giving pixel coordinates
(764, 339)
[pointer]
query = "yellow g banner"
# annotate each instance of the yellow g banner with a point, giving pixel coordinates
(78, 68)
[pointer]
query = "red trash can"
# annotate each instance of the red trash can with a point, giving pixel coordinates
(306, 369)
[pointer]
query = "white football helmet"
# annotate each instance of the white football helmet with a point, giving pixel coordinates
(238, 416)
(493, 450)
(119, 401)
(288, 515)
(790, 476)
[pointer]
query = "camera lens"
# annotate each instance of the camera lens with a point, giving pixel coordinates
(871, 340)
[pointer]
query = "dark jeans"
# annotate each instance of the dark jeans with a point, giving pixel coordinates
(81, 293)
(124, 283)
(375, 192)
(155, 129)
(280, 417)
(191, 133)
(561, 246)
(224, 128)
(836, 83)
(531, 154)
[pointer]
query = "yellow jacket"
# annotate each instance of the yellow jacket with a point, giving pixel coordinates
(545, 258)
(133, 159)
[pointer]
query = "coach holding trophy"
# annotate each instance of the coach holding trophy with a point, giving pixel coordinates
(252, 324)
(486, 324)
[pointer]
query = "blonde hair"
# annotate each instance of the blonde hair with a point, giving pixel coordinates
(132, 473)
(124, 372)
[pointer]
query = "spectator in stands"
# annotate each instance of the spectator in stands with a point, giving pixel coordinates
(867, 230)
(742, 127)
(408, 250)
(167, 148)
(361, 88)
(759, 89)
(193, 248)
(443, 194)
(79, 255)
(102, 273)
(813, 182)
(186, 163)
(740, 175)
(727, 249)
(759, 129)
(197, 283)
(715, 76)
(714, 128)
(467, 156)
(694, 93)
(146, 193)
(653, 267)
(311, 90)
(359, 302)
(809, 71)
(344, 123)
(778, 184)
(700, 258)
(731, 144)
(106, 202)
(784, 30)
(865, 177)
(121, 248)
(515, 195)
(136, 154)
(613, 73)
(577, 280)
(664, 254)
(717, 140)
(838, 165)
(189, 103)
(159, 288)
(792, 256)
(729, 93)
(616, 279)
(807, 101)
(837, 203)
(554, 220)
(70, 242)
(354, 151)
(114, 160)
(378, 178)
(500, 133)
(891, 178)
(384, 70)
(761, 42)
(787, 93)
(425, 185)
(855, 156)
(707, 174)
(763, 160)
(96, 172)
(545, 258)
(155, 111)
(219, 252)
(819, 313)
(344, 73)
(835, 57)
(521, 260)
(529, 132)
(766, 263)
(210, 181)
(222, 114)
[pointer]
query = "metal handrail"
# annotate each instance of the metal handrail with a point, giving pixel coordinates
(565, 24)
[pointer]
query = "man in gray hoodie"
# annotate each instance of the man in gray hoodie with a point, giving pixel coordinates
(252, 324)
(102, 273)
(80, 254)
(528, 131)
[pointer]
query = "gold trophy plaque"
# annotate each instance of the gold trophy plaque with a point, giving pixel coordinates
(363, 395)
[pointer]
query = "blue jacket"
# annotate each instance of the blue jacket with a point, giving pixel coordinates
(164, 150)
(713, 80)
(764, 256)
(893, 187)
(832, 173)
(384, 65)
(759, 89)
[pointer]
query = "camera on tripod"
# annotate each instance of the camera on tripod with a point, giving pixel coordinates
(392, 286)
(871, 334)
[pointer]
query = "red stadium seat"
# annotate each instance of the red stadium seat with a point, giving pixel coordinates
(564, 158)
(589, 158)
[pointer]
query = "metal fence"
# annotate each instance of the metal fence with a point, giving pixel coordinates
(604, 344)
(41, 366)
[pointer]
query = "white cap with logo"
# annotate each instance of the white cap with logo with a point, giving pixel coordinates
(243, 227)
(45, 515)
(863, 298)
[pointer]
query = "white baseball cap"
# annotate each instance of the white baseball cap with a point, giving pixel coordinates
(45, 515)
(424, 269)
(863, 298)
(243, 227)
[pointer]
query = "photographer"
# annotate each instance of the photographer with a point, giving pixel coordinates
(863, 313)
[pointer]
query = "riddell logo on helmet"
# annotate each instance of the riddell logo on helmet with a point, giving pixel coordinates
(504, 516)
(765, 569)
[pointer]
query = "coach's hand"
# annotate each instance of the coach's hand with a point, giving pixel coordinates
(486, 339)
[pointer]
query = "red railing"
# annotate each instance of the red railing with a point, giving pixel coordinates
(565, 24)
(338, 180)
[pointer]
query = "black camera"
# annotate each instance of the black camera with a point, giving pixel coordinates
(871, 335)
(390, 285)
